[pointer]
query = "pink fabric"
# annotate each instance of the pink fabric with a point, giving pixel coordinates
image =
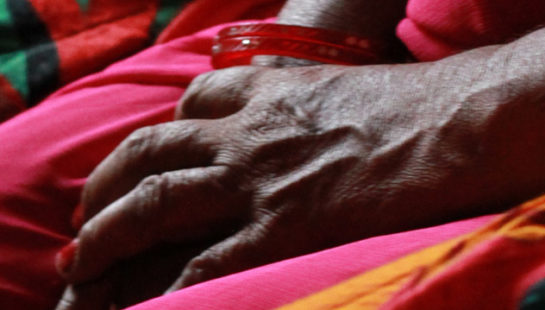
(436, 29)
(47, 152)
(274, 285)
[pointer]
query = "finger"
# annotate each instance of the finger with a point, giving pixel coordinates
(253, 246)
(147, 151)
(141, 278)
(147, 275)
(176, 206)
(92, 296)
(217, 94)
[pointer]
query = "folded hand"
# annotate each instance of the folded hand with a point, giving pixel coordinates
(275, 163)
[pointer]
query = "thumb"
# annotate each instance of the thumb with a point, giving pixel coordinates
(253, 246)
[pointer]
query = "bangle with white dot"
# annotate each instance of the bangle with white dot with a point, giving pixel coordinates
(236, 45)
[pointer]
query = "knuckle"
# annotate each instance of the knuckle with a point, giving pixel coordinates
(152, 190)
(196, 85)
(192, 96)
(147, 210)
(156, 199)
(200, 269)
(202, 78)
(138, 144)
(190, 133)
(89, 232)
(188, 107)
(218, 93)
(140, 137)
(153, 183)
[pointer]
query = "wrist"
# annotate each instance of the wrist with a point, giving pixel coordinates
(376, 19)
(494, 96)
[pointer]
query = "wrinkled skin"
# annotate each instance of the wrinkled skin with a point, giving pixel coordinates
(274, 163)
(265, 164)
(375, 18)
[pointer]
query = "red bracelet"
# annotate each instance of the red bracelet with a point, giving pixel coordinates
(236, 45)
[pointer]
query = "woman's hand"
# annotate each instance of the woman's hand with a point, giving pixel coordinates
(280, 162)
(369, 18)
(140, 278)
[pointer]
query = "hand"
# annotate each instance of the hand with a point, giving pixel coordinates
(281, 162)
(367, 18)
(132, 281)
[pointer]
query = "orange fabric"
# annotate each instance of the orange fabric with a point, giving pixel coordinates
(499, 262)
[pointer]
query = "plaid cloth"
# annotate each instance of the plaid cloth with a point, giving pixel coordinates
(45, 44)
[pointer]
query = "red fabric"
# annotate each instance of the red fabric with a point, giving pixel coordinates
(107, 31)
(436, 29)
(89, 51)
(9, 95)
(100, 12)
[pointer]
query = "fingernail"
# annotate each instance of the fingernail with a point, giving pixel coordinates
(77, 217)
(65, 257)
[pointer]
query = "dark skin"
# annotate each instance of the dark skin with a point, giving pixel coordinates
(269, 163)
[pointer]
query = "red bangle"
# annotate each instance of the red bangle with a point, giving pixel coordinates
(236, 45)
